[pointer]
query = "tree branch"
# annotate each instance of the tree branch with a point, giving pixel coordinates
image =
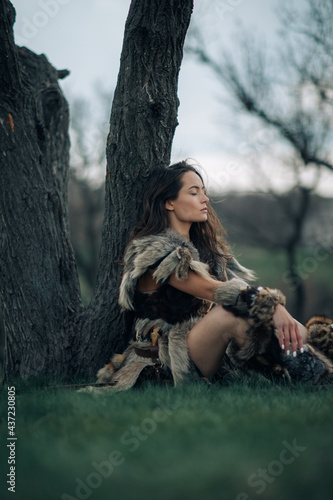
(227, 72)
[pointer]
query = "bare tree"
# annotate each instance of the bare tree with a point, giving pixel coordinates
(88, 131)
(300, 77)
(47, 329)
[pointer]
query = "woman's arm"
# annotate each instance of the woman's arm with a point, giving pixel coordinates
(287, 327)
(196, 285)
(288, 330)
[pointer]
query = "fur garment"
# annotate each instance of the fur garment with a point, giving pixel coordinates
(261, 351)
(171, 253)
(124, 370)
(249, 302)
(228, 293)
(167, 253)
(321, 334)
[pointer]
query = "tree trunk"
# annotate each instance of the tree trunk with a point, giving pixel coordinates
(47, 330)
(142, 126)
(39, 285)
(298, 219)
(297, 283)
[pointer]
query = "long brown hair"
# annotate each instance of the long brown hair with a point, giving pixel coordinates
(165, 184)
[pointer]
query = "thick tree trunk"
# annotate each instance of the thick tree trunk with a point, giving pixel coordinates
(47, 330)
(142, 126)
(39, 285)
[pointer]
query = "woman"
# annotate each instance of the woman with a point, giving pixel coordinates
(188, 299)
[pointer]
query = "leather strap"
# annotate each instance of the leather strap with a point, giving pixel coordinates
(152, 352)
(144, 353)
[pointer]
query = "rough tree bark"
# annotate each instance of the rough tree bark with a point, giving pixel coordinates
(47, 329)
(39, 285)
(142, 126)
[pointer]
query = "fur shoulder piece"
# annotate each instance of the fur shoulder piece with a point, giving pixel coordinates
(236, 270)
(167, 253)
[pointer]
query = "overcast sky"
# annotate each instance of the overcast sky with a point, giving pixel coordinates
(85, 37)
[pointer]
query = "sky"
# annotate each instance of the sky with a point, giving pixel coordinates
(85, 37)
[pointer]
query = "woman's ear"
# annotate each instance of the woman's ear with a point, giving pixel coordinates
(169, 205)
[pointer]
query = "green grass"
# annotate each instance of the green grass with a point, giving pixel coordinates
(191, 442)
(270, 265)
(196, 441)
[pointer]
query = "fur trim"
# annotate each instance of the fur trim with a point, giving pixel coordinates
(257, 303)
(319, 320)
(236, 270)
(321, 334)
(173, 350)
(324, 359)
(180, 362)
(180, 262)
(265, 303)
(144, 326)
(227, 294)
(261, 352)
(169, 251)
(105, 374)
(125, 375)
(124, 369)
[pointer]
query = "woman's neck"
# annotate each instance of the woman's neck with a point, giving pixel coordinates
(182, 228)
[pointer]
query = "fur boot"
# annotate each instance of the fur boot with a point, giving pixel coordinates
(310, 366)
(262, 352)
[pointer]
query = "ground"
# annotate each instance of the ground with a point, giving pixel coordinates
(247, 439)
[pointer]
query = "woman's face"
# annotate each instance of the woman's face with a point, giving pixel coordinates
(191, 203)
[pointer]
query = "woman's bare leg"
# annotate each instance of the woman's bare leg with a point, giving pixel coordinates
(209, 338)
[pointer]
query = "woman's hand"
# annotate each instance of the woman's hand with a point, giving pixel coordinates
(287, 330)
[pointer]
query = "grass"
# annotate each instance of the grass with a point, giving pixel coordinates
(270, 265)
(192, 442)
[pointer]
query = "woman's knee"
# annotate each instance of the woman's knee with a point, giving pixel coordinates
(224, 316)
(230, 326)
(234, 323)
